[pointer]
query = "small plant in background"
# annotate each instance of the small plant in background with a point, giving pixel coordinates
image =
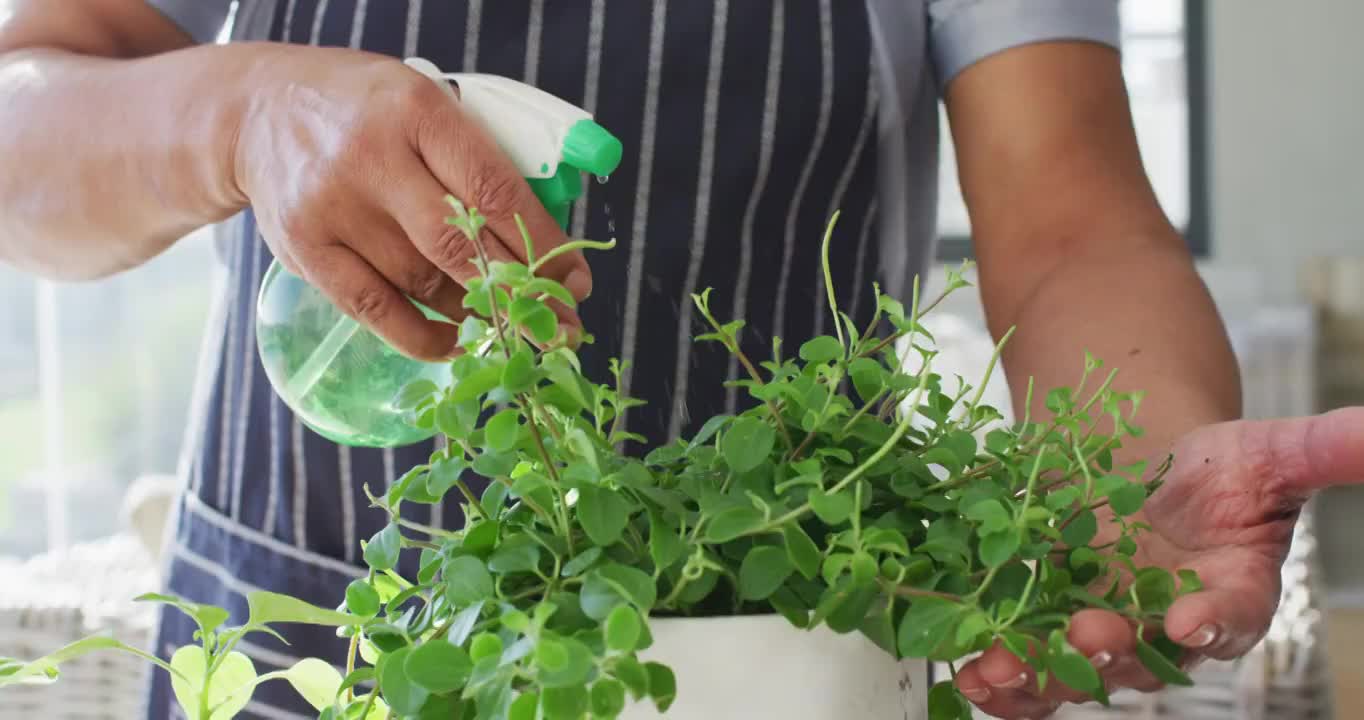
(853, 494)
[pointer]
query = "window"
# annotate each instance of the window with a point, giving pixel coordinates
(95, 385)
(1162, 64)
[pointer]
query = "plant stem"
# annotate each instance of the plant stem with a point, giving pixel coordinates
(544, 514)
(905, 591)
(1023, 601)
(857, 472)
(469, 495)
(863, 410)
(810, 436)
(989, 371)
(829, 281)
(427, 529)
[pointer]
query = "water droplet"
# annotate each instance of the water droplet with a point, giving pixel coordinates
(601, 179)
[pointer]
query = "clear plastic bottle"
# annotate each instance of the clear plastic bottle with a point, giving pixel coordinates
(342, 380)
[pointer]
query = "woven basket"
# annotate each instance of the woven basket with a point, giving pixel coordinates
(59, 597)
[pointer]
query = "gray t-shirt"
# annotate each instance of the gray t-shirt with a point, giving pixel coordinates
(921, 45)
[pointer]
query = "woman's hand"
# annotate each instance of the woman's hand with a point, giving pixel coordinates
(346, 158)
(1227, 511)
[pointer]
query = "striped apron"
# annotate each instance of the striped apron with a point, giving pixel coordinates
(746, 123)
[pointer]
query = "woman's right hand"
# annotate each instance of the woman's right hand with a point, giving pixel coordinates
(346, 158)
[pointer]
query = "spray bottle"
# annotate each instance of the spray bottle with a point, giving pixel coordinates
(340, 379)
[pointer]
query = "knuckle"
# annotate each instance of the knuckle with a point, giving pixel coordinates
(425, 284)
(451, 250)
(418, 94)
(370, 304)
(498, 195)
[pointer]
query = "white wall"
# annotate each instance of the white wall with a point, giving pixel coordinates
(1286, 126)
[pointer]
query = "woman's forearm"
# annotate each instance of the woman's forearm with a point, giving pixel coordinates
(106, 162)
(1144, 311)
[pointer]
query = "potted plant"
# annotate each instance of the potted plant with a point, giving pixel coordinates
(851, 515)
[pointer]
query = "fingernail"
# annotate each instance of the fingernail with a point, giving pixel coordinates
(579, 283)
(1101, 659)
(977, 695)
(1014, 683)
(1203, 636)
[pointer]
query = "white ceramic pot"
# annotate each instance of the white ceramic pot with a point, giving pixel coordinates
(759, 667)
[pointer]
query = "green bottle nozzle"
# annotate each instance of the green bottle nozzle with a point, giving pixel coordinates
(591, 148)
(588, 147)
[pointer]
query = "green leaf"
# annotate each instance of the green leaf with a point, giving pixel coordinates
(476, 383)
(481, 536)
(662, 685)
(546, 286)
(484, 645)
(603, 513)
(630, 672)
(463, 622)
(608, 698)
(1072, 668)
(551, 655)
(1154, 588)
(1081, 530)
(962, 444)
(234, 672)
(864, 568)
(537, 319)
(403, 694)
(438, 667)
(991, 515)
(867, 377)
(1128, 499)
(747, 443)
(518, 553)
(623, 628)
(524, 707)
(467, 581)
(493, 464)
(564, 703)
(998, 548)
(764, 570)
(316, 680)
(414, 393)
(381, 552)
(266, 608)
(832, 509)
(928, 622)
(444, 474)
(821, 349)
(207, 617)
(665, 544)
(494, 698)
(1189, 582)
(584, 560)
(1161, 665)
(502, 430)
(46, 667)
(609, 585)
(945, 702)
(972, 625)
(801, 550)
(362, 599)
(519, 372)
(708, 430)
(731, 523)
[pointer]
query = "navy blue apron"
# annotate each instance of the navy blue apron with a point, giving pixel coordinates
(746, 123)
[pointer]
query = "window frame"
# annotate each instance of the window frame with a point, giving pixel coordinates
(955, 247)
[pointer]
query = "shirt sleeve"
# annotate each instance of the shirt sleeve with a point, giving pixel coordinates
(967, 31)
(201, 19)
